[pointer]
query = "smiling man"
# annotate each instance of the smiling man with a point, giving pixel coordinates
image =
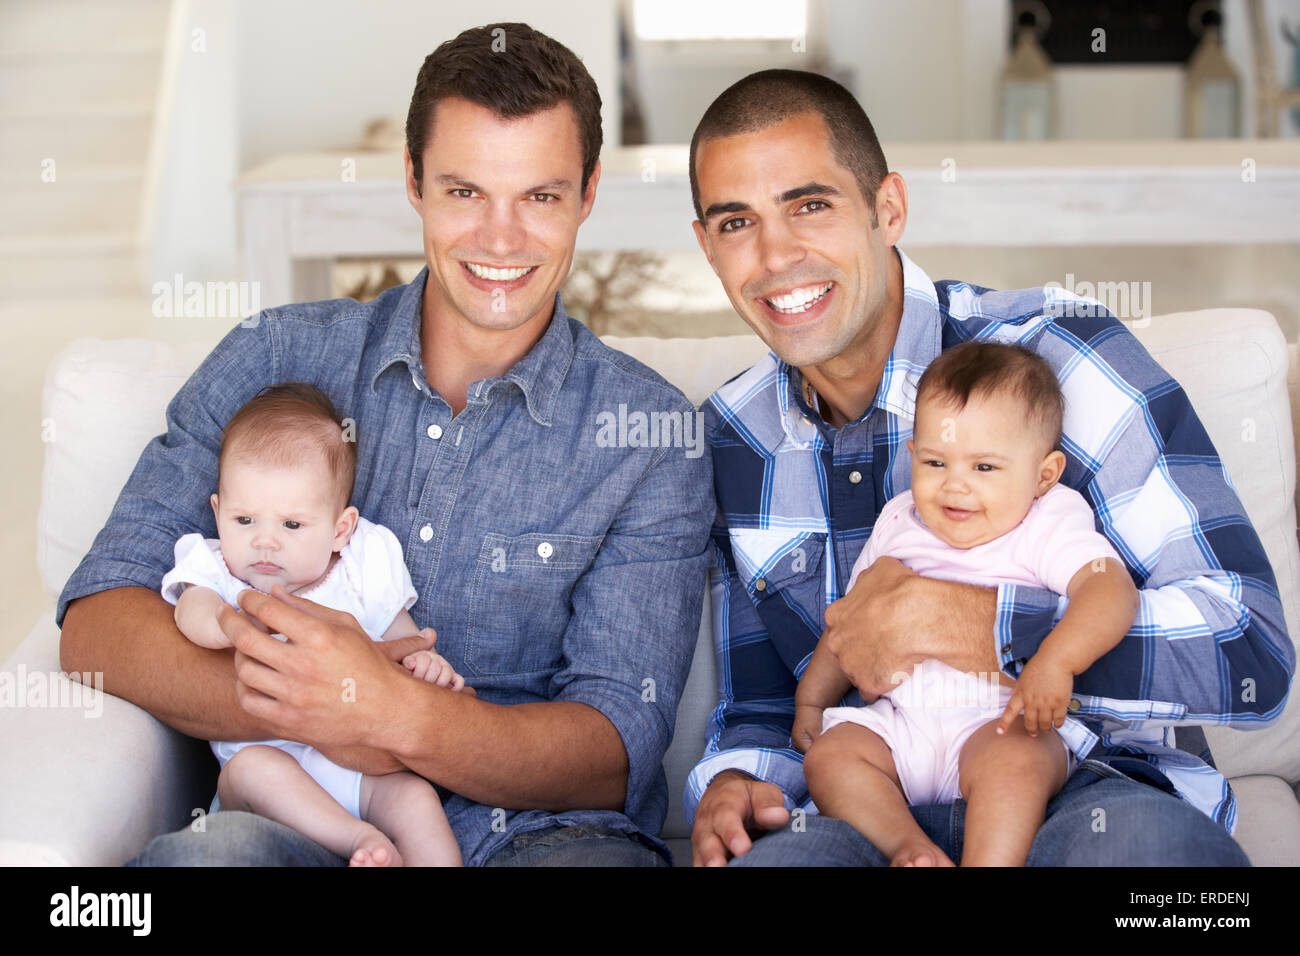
(563, 578)
(800, 219)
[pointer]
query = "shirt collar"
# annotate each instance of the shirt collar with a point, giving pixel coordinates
(919, 342)
(540, 374)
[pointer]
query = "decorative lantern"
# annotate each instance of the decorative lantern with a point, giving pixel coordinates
(1028, 86)
(1212, 88)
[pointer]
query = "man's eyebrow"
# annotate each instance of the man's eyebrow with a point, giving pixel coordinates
(446, 179)
(798, 192)
(551, 185)
(721, 208)
(808, 189)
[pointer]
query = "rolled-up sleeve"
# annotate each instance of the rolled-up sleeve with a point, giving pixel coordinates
(167, 494)
(636, 613)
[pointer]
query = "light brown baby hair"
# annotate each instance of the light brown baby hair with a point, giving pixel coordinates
(283, 425)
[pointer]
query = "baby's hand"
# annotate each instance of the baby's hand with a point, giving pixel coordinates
(1042, 692)
(807, 726)
(431, 667)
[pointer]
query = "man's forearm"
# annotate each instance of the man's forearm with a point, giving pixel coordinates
(556, 755)
(130, 636)
(962, 617)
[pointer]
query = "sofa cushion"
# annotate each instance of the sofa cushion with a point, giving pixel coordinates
(106, 400)
(1233, 365)
(103, 402)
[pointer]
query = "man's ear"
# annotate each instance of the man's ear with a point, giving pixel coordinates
(589, 196)
(344, 527)
(702, 237)
(891, 208)
(412, 187)
(1051, 470)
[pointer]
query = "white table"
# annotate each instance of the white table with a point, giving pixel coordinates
(299, 213)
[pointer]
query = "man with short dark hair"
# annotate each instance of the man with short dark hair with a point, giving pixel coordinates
(562, 577)
(800, 220)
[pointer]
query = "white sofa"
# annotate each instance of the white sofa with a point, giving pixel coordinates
(83, 790)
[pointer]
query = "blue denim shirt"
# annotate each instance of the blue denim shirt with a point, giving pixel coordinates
(554, 567)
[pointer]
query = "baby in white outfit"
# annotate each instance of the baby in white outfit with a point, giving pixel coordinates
(984, 508)
(285, 478)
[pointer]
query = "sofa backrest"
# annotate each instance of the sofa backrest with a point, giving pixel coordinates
(105, 399)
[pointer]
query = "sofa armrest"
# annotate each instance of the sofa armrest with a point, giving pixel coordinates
(86, 778)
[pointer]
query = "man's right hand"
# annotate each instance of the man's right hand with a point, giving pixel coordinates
(734, 807)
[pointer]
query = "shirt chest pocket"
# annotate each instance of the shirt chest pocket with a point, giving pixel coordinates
(521, 601)
(785, 574)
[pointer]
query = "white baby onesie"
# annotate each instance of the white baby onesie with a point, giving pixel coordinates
(369, 581)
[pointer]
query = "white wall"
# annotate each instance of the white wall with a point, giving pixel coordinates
(312, 73)
(193, 217)
(285, 76)
(928, 70)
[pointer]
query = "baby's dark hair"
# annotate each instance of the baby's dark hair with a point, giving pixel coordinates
(283, 424)
(986, 368)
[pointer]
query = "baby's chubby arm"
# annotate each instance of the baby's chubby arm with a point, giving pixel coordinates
(822, 685)
(424, 665)
(196, 617)
(1103, 603)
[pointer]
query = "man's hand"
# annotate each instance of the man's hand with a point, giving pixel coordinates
(734, 807)
(1042, 692)
(328, 684)
(892, 619)
(869, 630)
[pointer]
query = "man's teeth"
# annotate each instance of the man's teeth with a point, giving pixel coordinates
(497, 275)
(800, 300)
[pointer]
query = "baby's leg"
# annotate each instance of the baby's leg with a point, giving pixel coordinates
(1007, 780)
(268, 781)
(851, 776)
(406, 807)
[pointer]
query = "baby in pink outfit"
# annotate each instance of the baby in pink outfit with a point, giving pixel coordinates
(984, 508)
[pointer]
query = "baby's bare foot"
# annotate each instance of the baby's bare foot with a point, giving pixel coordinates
(920, 853)
(374, 849)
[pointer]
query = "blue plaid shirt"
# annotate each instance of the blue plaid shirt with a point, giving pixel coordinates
(791, 523)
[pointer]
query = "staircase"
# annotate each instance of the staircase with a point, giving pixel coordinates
(78, 81)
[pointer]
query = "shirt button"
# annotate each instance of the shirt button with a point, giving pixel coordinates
(426, 532)
(434, 432)
(855, 477)
(1074, 704)
(415, 380)
(544, 550)
(760, 585)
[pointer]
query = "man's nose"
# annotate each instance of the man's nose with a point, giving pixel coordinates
(778, 246)
(502, 232)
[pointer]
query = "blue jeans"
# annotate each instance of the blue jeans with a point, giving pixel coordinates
(1100, 818)
(235, 838)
